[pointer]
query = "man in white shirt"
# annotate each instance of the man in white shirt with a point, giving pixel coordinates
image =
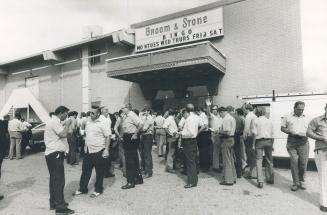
(215, 122)
(191, 127)
(204, 142)
(160, 134)
(55, 139)
(97, 143)
(227, 132)
(263, 132)
(15, 127)
(147, 142)
(296, 125)
(248, 138)
(171, 129)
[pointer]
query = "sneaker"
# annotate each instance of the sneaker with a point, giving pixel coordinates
(77, 193)
(64, 211)
(303, 186)
(294, 187)
(95, 194)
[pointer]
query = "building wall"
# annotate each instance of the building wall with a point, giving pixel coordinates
(111, 92)
(2, 90)
(262, 43)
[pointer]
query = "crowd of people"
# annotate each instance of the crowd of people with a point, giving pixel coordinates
(191, 140)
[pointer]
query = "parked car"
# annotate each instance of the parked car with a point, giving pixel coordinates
(37, 138)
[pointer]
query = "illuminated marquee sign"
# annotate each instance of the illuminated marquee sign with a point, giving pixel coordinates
(189, 28)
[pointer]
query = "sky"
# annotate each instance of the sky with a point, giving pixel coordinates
(32, 26)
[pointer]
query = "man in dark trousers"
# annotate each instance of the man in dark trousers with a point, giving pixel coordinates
(98, 133)
(4, 138)
(131, 128)
(55, 139)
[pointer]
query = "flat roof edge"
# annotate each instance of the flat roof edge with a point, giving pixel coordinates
(40, 54)
(185, 12)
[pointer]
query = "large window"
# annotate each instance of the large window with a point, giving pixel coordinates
(95, 60)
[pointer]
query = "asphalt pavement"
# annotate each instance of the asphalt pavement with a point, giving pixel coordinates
(25, 183)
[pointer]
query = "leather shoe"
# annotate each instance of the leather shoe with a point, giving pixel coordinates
(54, 207)
(225, 184)
(64, 211)
(323, 209)
(189, 186)
(260, 185)
(147, 176)
(294, 187)
(1, 197)
(128, 186)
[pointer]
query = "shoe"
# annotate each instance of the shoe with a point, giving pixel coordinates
(54, 207)
(225, 184)
(160, 156)
(110, 175)
(294, 187)
(189, 186)
(271, 182)
(64, 211)
(138, 180)
(77, 193)
(147, 176)
(323, 209)
(303, 186)
(95, 194)
(128, 186)
(260, 185)
(1, 197)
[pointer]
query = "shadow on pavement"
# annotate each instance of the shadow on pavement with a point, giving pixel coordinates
(14, 187)
(285, 184)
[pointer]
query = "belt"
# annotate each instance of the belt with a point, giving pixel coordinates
(226, 136)
(264, 139)
(188, 138)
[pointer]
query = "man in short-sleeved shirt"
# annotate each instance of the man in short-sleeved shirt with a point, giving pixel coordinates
(317, 130)
(56, 146)
(97, 140)
(295, 125)
(227, 132)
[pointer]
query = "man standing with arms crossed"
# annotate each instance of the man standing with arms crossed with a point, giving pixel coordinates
(97, 143)
(296, 125)
(56, 146)
(317, 130)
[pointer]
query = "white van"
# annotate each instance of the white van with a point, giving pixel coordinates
(280, 105)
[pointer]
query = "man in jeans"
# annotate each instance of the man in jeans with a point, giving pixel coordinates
(171, 129)
(97, 142)
(56, 146)
(296, 125)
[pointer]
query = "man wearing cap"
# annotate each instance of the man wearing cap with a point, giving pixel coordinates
(131, 128)
(146, 142)
(317, 130)
(248, 138)
(296, 125)
(227, 132)
(191, 127)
